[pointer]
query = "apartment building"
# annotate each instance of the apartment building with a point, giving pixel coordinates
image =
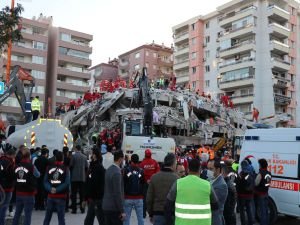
(249, 52)
(58, 58)
(31, 54)
(157, 58)
(103, 71)
(67, 71)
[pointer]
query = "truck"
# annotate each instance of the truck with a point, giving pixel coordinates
(49, 132)
(137, 131)
(281, 148)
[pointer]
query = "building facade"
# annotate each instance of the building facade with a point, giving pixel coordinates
(103, 71)
(157, 58)
(250, 53)
(57, 58)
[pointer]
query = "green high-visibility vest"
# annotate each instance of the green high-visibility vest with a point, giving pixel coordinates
(235, 166)
(192, 205)
(35, 105)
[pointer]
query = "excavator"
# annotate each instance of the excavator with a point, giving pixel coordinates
(137, 132)
(49, 132)
(20, 80)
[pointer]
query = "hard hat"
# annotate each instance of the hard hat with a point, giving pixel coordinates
(148, 152)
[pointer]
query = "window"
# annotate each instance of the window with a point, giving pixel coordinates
(194, 84)
(245, 108)
(207, 25)
(38, 60)
(193, 26)
(38, 89)
(18, 58)
(207, 39)
(293, 11)
(207, 68)
(236, 75)
(137, 55)
(292, 44)
(207, 83)
(207, 54)
(123, 71)
(154, 54)
(65, 37)
(194, 70)
(293, 61)
(154, 67)
(38, 74)
(136, 67)
(78, 54)
(147, 53)
(39, 45)
(193, 55)
(242, 22)
(293, 28)
(147, 65)
(193, 41)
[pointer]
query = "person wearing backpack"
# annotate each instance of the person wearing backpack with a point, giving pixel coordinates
(245, 191)
(262, 184)
(133, 190)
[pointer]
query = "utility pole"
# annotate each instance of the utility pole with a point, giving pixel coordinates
(8, 64)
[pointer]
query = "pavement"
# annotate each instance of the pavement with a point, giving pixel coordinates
(78, 219)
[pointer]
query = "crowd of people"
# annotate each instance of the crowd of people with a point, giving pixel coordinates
(182, 190)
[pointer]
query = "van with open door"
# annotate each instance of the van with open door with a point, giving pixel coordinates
(281, 148)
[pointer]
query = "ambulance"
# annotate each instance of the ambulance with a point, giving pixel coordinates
(281, 148)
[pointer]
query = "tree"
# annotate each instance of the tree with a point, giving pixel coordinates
(10, 25)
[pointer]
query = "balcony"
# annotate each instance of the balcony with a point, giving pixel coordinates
(281, 99)
(75, 46)
(237, 83)
(243, 31)
(278, 14)
(280, 64)
(279, 31)
(71, 87)
(227, 19)
(182, 50)
(181, 64)
(242, 99)
(68, 72)
(76, 60)
(183, 79)
(181, 37)
(167, 63)
(281, 82)
(279, 47)
(235, 65)
(238, 48)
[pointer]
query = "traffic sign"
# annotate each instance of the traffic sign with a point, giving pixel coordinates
(1, 88)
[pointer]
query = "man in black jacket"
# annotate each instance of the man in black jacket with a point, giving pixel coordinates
(7, 165)
(133, 189)
(95, 189)
(41, 164)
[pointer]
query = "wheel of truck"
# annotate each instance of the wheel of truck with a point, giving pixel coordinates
(272, 209)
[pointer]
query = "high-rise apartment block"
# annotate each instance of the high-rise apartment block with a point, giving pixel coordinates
(157, 58)
(58, 58)
(248, 50)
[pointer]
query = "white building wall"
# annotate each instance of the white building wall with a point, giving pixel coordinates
(263, 83)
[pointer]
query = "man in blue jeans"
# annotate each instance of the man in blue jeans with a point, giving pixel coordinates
(262, 184)
(7, 166)
(133, 190)
(26, 183)
(56, 182)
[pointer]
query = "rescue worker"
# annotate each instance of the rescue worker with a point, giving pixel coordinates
(183, 161)
(56, 183)
(229, 207)
(262, 184)
(25, 174)
(150, 167)
(95, 189)
(7, 166)
(35, 108)
(87, 97)
(245, 191)
(28, 112)
(187, 207)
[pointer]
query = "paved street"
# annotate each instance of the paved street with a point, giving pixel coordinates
(78, 219)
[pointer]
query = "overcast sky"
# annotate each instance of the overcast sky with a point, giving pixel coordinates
(119, 25)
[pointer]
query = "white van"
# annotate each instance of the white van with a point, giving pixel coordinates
(281, 148)
(160, 147)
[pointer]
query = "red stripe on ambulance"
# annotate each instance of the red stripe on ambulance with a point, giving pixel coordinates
(285, 185)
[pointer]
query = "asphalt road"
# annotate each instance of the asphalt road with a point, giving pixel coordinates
(78, 219)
